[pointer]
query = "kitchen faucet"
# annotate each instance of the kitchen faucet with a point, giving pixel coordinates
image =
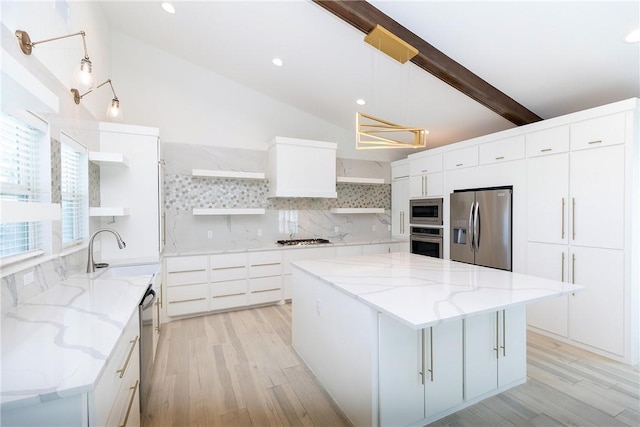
(91, 266)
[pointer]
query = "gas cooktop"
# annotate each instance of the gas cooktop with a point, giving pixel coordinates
(302, 242)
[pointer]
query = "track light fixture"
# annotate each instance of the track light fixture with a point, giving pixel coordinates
(113, 109)
(83, 75)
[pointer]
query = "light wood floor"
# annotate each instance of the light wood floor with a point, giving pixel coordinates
(238, 369)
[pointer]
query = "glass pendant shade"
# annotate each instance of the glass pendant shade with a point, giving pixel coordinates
(83, 76)
(114, 112)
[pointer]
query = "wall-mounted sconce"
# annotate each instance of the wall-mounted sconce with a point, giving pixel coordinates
(113, 110)
(83, 75)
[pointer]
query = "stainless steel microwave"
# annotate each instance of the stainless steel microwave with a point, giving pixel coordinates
(426, 211)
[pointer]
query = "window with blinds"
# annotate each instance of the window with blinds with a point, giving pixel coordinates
(19, 166)
(73, 182)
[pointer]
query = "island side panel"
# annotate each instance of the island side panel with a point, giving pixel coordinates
(336, 336)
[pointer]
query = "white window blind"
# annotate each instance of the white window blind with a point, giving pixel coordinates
(74, 190)
(19, 166)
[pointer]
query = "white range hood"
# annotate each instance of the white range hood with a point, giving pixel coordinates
(302, 168)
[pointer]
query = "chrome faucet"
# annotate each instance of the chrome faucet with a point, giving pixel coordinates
(91, 266)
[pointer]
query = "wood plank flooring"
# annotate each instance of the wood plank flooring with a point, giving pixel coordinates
(239, 369)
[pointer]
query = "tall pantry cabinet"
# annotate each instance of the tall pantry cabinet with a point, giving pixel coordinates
(579, 229)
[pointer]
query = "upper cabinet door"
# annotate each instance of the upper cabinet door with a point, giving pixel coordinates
(597, 197)
(600, 132)
(548, 198)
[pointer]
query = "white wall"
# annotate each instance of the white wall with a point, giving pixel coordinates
(190, 104)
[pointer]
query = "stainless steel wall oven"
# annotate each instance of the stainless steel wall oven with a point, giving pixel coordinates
(426, 241)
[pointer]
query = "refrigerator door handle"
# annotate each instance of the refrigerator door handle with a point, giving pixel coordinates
(476, 226)
(470, 226)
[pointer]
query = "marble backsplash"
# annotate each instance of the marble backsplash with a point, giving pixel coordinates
(285, 218)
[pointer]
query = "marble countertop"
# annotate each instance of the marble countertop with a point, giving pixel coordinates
(275, 246)
(58, 343)
(422, 291)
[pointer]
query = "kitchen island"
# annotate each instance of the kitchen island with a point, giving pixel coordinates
(404, 339)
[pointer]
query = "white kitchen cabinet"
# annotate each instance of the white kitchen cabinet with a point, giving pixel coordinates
(348, 250)
(135, 187)
(426, 178)
(548, 198)
(597, 197)
(461, 158)
(598, 132)
(597, 313)
(115, 399)
(187, 289)
(502, 150)
(550, 261)
(400, 203)
(265, 277)
(228, 281)
(384, 248)
(420, 372)
(548, 141)
(494, 351)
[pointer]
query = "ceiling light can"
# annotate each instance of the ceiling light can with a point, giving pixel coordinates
(277, 62)
(361, 101)
(168, 7)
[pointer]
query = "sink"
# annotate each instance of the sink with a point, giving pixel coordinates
(129, 270)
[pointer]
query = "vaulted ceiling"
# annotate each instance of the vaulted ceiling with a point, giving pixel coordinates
(536, 59)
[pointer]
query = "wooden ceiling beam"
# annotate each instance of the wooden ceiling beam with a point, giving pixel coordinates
(364, 16)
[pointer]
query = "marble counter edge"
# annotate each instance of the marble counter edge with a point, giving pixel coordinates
(276, 247)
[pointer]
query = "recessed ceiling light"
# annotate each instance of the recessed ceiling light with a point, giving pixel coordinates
(277, 62)
(633, 36)
(168, 7)
(361, 102)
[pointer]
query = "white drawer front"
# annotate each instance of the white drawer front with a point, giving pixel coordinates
(263, 264)
(608, 130)
(187, 299)
(263, 297)
(222, 274)
(230, 301)
(265, 283)
(228, 260)
(400, 170)
(548, 141)
(463, 158)
(186, 263)
(231, 288)
(423, 165)
(126, 407)
(502, 150)
(186, 277)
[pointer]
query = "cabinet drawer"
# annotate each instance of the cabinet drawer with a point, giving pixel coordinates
(263, 264)
(608, 130)
(124, 360)
(502, 150)
(186, 270)
(427, 164)
(126, 407)
(265, 283)
(400, 170)
(187, 299)
(230, 288)
(228, 301)
(228, 267)
(263, 297)
(186, 263)
(548, 141)
(463, 158)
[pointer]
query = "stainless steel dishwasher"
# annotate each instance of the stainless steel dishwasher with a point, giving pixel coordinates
(146, 311)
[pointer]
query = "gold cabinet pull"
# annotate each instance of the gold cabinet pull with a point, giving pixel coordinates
(573, 269)
(126, 362)
(421, 355)
(562, 269)
(265, 264)
(133, 397)
(599, 141)
(504, 333)
(264, 290)
(497, 347)
(229, 268)
(187, 271)
(459, 164)
(545, 150)
(563, 207)
(228, 295)
(426, 185)
(187, 300)
(431, 353)
(500, 158)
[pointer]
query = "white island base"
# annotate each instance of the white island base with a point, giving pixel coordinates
(402, 339)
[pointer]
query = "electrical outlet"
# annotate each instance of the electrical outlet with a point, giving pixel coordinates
(389, 227)
(319, 307)
(210, 234)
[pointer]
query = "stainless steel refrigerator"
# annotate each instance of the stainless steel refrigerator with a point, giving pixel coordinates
(480, 222)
